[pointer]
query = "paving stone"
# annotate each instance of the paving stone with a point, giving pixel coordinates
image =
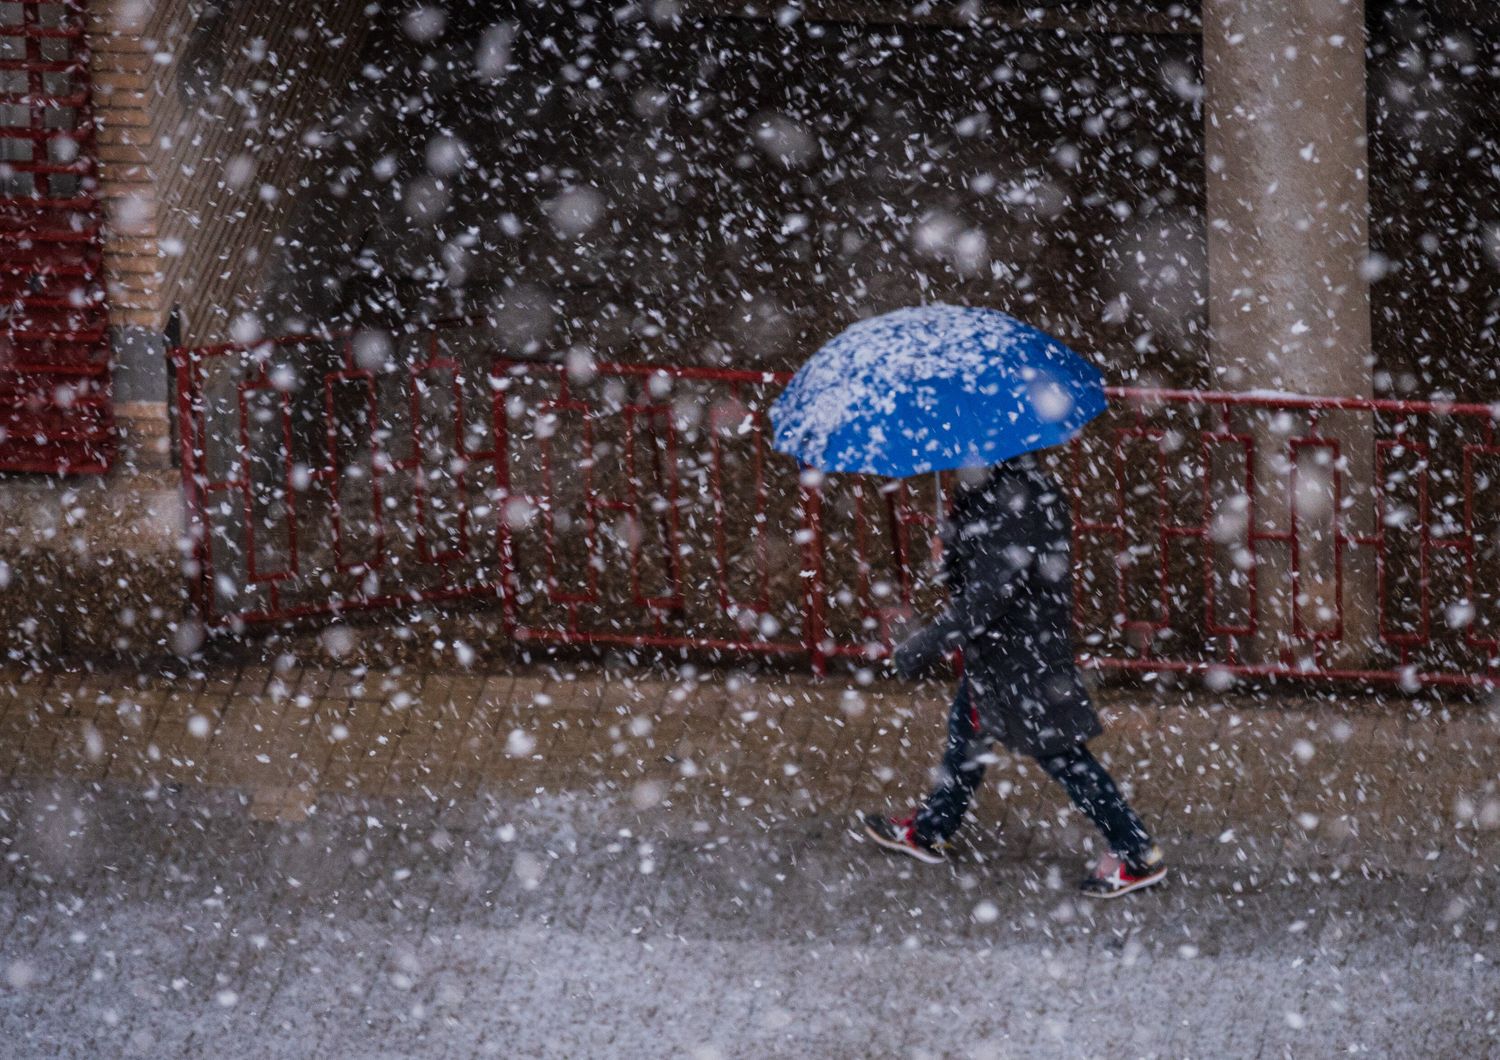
(457, 892)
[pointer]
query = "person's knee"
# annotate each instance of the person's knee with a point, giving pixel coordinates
(1060, 766)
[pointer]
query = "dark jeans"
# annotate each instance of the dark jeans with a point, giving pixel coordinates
(1090, 787)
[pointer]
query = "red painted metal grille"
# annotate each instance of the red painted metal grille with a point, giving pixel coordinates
(641, 506)
(55, 413)
(1287, 536)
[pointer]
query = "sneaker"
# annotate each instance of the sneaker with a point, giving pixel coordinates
(1113, 876)
(901, 837)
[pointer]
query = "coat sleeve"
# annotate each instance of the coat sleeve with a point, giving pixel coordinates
(984, 597)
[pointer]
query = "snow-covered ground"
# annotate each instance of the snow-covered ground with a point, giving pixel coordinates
(523, 929)
(516, 866)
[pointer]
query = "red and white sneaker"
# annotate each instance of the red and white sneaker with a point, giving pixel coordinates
(1113, 876)
(901, 837)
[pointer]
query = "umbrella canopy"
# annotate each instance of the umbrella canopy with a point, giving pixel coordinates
(934, 388)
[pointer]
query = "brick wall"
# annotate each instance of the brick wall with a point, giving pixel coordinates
(123, 40)
(203, 109)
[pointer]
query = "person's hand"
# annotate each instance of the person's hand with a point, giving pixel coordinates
(916, 652)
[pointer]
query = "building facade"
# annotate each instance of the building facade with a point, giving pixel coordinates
(1237, 194)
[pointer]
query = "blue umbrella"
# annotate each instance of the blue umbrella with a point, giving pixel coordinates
(931, 389)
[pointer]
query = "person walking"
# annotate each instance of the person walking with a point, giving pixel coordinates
(1006, 561)
(938, 388)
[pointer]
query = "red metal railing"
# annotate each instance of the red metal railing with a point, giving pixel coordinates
(55, 410)
(1342, 526)
(641, 506)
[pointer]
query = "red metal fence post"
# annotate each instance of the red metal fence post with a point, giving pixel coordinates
(500, 381)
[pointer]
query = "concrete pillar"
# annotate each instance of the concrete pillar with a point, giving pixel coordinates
(1289, 301)
(1289, 298)
(142, 392)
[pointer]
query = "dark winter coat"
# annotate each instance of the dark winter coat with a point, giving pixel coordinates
(1006, 559)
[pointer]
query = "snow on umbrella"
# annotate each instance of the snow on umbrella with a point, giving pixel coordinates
(934, 388)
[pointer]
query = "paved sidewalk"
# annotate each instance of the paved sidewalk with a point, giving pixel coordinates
(315, 862)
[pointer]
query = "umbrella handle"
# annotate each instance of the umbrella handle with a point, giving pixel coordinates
(935, 546)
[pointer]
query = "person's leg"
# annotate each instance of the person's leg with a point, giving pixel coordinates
(1094, 792)
(959, 775)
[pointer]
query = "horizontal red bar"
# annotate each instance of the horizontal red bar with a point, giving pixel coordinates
(340, 606)
(725, 375)
(14, 459)
(27, 66)
(19, 236)
(84, 266)
(1147, 395)
(1466, 680)
(91, 337)
(23, 99)
(35, 30)
(648, 640)
(78, 133)
(55, 433)
(78, 166)
(98, 367)
(29, 208)
(47, 303)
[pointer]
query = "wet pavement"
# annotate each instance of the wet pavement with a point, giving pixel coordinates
(322, 862)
